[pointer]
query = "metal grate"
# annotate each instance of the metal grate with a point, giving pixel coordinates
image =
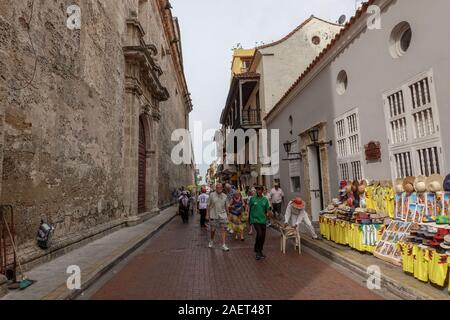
(429, 161)
(403, 163)
(396, 104)
(344, 171)
(352, 121)
(356, 170)
(420, 93)
(340, 129)
(354, 144)
(342, 148)
(424, 123)
(397, 117)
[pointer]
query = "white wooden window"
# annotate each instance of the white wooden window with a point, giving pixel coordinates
(429, 160)
(349, 150)
(343, 170)
(403, 164)
(356, 170)
(413, 128)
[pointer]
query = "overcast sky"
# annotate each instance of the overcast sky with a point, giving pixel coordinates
(211, 28)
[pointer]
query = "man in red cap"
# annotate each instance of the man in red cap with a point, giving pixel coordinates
(296, 214)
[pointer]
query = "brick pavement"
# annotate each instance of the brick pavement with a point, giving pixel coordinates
(176, 264)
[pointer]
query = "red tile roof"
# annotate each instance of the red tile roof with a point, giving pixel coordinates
(294, 31)
(359, 14)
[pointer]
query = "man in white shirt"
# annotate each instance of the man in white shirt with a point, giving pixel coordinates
(217, 213)
(277, 199)
(296, 214)
(203, 199)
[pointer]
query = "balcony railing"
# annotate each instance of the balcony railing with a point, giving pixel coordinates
(251, 117)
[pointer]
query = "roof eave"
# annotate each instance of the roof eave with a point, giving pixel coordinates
(323, 59)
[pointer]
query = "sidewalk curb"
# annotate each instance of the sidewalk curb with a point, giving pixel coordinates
(62, 293)
(393, 286)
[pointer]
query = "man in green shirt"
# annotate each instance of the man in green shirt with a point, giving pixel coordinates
(259, 212)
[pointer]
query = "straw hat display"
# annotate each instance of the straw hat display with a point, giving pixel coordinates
(446, 244)
(398, 186)
(435, 183)
(420, 184)
(408, 184)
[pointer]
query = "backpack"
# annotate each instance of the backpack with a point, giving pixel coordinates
(44, 235)
(184, 202)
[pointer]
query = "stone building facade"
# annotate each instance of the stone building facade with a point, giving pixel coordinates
(382, 86)
(260, 77)
(86, 116)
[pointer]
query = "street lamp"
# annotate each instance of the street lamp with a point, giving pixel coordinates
(288, 147)
(314, 135)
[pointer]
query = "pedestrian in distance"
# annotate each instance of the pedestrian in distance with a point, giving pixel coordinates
(229, 191)
(259, 214)
(237, 209)
(193, 202)
(296, 215)
(183, 206)
(251, 193)
(203, 199)
(217, 214)
(266, 193)
(277, 199)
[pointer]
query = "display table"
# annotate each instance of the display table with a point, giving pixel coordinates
(347, 233)
(426, 265)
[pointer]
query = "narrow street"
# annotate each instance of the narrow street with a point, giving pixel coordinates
(176, 264)
(119, 117)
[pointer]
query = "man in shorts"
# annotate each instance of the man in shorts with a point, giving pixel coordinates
(218, 215)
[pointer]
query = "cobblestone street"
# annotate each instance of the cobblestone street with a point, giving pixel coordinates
(176, 264)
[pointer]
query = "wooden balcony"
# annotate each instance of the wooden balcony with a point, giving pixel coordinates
(251, 119)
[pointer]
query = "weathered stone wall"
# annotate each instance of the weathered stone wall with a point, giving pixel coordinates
(173, 116)
(62, 138)
(63, 131)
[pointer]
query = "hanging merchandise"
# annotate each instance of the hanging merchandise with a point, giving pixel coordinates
(387, 248)
(408, 252)
(406, 223)
(399, 199)
(369, 235)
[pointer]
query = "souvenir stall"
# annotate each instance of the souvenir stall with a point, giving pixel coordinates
(410, 220)
(358, 217)
(425, 251)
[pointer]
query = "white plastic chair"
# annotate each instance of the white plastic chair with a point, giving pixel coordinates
(289, 233)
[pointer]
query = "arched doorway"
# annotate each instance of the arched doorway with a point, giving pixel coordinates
(142, 167)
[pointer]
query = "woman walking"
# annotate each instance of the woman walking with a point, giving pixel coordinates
(237, 208)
